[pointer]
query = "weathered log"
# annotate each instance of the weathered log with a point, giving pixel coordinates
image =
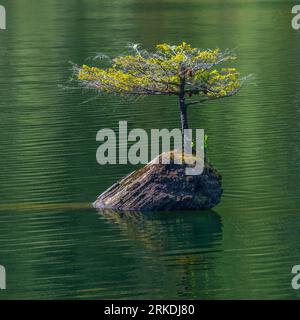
(163, 187)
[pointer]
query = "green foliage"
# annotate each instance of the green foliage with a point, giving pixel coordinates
(169, 70)
(205, 143)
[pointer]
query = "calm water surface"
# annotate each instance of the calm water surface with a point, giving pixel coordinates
(54, 245)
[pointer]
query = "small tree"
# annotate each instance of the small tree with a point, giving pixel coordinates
(181, 70)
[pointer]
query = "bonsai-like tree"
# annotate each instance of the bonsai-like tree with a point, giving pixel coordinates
(191, 74)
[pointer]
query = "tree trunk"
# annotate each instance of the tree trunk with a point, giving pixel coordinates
(183, 110)
(183, 114)
(183, 119)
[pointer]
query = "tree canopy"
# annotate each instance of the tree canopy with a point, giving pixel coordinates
(170, 70)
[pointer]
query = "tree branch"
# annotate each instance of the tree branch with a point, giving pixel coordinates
(211, 99)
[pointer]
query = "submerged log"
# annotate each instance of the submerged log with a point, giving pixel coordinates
(163, 187)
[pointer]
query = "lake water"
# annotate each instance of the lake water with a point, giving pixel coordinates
(54, 245)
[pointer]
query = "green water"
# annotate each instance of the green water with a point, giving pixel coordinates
(54, 246)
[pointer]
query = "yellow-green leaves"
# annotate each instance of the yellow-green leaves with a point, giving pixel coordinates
(223, 83)
(164, 71)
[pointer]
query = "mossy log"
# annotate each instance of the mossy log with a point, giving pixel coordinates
(163, 187)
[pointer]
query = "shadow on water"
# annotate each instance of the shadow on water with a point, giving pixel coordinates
(155, 229)
(178, 246)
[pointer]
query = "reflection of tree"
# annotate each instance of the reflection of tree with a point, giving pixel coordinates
(180, 246)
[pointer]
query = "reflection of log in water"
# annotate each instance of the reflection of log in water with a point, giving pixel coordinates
(161, 230)
(136, 225)
(178, 241)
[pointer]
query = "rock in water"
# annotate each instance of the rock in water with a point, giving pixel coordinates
(163, 187)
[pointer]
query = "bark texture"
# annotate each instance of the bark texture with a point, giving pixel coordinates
(163, 187)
